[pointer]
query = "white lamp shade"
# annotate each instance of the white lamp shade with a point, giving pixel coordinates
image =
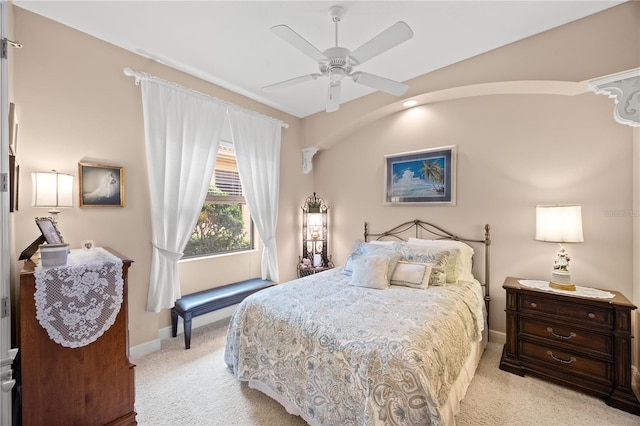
(559, 223)
(52, 189)
(314, 219)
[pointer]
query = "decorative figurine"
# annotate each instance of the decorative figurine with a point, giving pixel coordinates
(562, 261)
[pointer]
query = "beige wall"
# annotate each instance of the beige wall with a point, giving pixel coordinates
(514, 151)
(533, 146)
(75, 104)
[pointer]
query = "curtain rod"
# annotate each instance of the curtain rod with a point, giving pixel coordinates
(144, 76)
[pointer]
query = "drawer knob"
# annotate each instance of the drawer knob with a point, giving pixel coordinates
(534, 305)
(591, 315)
(564, 361)
(559, 336)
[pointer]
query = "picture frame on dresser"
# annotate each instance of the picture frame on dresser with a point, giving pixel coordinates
(421, 177)
(49, 230)
(100, 185)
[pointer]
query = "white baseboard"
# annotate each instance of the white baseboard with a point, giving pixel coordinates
(497, 337)
(147, 348)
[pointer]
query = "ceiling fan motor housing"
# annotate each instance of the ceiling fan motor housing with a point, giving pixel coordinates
(337, 66)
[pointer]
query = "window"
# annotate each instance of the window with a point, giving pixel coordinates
(224, 224)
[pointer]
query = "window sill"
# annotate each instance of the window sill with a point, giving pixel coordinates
(217, 256)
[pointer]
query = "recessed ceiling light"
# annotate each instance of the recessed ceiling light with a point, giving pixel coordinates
(409, 103)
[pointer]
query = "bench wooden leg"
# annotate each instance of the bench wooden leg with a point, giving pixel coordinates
(174, 322)
(187, 330)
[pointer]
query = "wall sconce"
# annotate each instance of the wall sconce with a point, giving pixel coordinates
(560, 224)
(53, 190)
(314, 235)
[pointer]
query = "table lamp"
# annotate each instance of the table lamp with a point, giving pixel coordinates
(53, 190)
(560, 224)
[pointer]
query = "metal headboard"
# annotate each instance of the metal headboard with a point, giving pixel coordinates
(417, 224)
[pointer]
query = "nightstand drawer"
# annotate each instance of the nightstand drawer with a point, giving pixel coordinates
(568, 334)
(568, 362)
(573, 311)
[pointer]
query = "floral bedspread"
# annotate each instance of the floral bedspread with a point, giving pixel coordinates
(345, 355)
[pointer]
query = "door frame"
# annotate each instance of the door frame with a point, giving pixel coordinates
(5, 231)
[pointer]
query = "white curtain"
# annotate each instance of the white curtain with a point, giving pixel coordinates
(182, 131)
(256, 140)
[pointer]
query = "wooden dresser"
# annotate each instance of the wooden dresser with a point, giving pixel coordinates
(89, 385)
(582, 343)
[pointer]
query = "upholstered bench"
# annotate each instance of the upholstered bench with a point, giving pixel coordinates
(206, 301)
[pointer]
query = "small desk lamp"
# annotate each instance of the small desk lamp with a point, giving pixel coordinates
(53, 190)
(560, 224)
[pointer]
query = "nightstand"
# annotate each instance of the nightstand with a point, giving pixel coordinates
(580, 342)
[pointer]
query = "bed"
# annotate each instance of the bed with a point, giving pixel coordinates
(342, 348)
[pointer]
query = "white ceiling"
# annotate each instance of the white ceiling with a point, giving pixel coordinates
(229, 43)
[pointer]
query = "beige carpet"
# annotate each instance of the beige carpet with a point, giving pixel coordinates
(193, 387)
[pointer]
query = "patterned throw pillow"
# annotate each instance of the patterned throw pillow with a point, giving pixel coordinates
(452, 261)
(436, 258)
(464, 260)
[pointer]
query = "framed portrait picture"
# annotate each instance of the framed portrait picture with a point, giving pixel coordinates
(100, 185)
(14, 178)
(49, 230)
(421, 177)
(12, 129)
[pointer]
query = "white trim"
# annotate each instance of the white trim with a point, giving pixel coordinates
(5, 230)
(624, 88)
(497, 337)
(148, 348)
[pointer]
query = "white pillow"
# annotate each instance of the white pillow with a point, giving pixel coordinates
(370, 271)
(374, 247)
(464, 262)
(392, 252)
(382, 243)
(414, 275)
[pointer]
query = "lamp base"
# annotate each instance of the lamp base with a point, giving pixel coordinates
(561, 280)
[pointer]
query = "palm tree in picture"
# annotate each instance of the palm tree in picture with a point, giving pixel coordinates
(433, 172)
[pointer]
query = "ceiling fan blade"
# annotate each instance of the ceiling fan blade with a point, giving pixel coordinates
(333, 98)
(292, 81)
(376, 82)
(391, 37)
(297, 41)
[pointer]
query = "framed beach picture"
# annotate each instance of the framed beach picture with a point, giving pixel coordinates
(100, 185)
(421, 177)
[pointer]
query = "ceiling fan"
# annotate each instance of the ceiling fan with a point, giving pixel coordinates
(338, 62)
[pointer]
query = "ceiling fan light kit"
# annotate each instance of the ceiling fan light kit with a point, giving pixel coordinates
(338, 62)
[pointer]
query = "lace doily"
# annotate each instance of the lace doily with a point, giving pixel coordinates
(78, 302)
(579, 291)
